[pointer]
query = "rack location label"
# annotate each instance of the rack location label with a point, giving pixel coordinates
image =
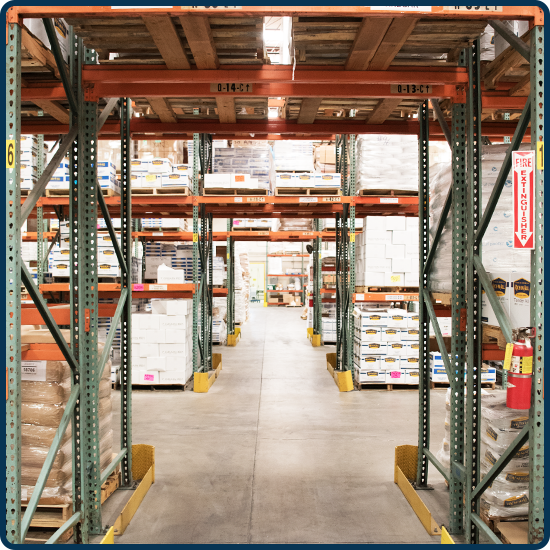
(523, 169)
(411, 88)
(232, 87)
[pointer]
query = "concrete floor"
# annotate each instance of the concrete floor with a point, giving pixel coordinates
(275, 454)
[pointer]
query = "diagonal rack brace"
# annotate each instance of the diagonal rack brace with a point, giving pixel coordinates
(47, 316)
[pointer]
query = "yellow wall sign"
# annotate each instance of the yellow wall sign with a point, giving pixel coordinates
(540, 155)
(352, 237)
(10, 153)
(195, 237)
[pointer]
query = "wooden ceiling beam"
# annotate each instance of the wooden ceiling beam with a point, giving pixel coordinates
(162, 109)
(383, 110)
(226, 110)
(397, 34)
(308, 110)
(366, 43)
(164, 34)
(199, 37)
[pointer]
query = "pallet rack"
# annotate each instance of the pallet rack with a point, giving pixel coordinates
(87, 84)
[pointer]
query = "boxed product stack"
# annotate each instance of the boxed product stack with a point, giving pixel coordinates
(60, 254)
(330, 223)
(107, 261)
(218, 273)
(242, 168)
(61, 177)
(308, 180)
(386, 348)
(325, 159)
(162, 343)
(45, 390)
(106, 176)
(29, 161)
(499, 256)
(387, 252)
(296, 224)
(172, 150)
(439, 374)
(266, 224)
(293, 155)
(329, 330)
(387, 162)
(245, 267)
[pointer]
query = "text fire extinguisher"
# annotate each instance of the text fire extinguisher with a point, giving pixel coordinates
(519, 363)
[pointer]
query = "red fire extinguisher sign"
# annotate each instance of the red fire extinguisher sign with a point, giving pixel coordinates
(523, 170)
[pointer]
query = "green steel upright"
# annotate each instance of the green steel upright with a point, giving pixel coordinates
(317, 282)
(126, 289)
(458, 300)
(474, 358)
(196, 192)
(88, 301)
(424, 322)
(536, 417)
(13, 284)
(230, 254)
(345, 255)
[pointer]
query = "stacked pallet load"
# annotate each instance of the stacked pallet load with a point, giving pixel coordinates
(295, 224)
(293, 156)
(160, 168)
(29, 162)
(509, 268)
(249, 166)
(508, 495)
(219, 328)
(325, 159)
(387, 163)
(45, 390)
(242, 298)
(178, 257)
(386, 348)
(438, 374)
(162, 343)
(219, 275)
(260, 224)
(387, 252)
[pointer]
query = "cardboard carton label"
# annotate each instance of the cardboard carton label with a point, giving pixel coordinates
(491, 433)
(515, 501)
(519, 423)
(389, 359)
(522, 288)
(518, 477)
(499, 286)
(374, 346)
(33, 370)
(370, 359)
(415, 360)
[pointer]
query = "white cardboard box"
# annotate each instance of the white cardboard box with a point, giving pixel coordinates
(390, 362)
(395, 377)
(173, 377)
(168, 276)
(374, 278)
(155, 336)
(396, 348)
(172, 350)
(177, 307)
(401, 265)
(395, 251)
(378, 236)
(397, 318)
(174, 322)
(396, 223)
(412, 278)
(393, 279)
(174, 336)
(400, 237)
(239, 181)
(217, 180)
(373, 250)
(391, 334)
(149, 377)
(149, 350)
(156, 364)
(376, 223)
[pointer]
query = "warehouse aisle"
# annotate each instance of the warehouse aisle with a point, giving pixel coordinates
(274, 453)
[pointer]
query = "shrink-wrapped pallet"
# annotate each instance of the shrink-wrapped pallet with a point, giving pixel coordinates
(45, 390)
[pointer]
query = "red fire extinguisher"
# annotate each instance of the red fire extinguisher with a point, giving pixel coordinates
(519, 363)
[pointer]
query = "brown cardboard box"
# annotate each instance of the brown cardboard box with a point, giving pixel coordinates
(326, 154)
(287, 298)
(273, 300)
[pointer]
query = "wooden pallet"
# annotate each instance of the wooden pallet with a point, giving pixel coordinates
(66, 192)
(386, 289)
(50, 515)
(386, 193)
(159, 387)
(252, 229)
(185, 191)
(445, 385)
(39, 535)
(307, 191)
(441, 298)
(494, 523)
(111, 485)
(235, 192)
(493, 335)
(382, 385)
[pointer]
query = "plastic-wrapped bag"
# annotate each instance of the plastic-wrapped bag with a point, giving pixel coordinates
(505, 502)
